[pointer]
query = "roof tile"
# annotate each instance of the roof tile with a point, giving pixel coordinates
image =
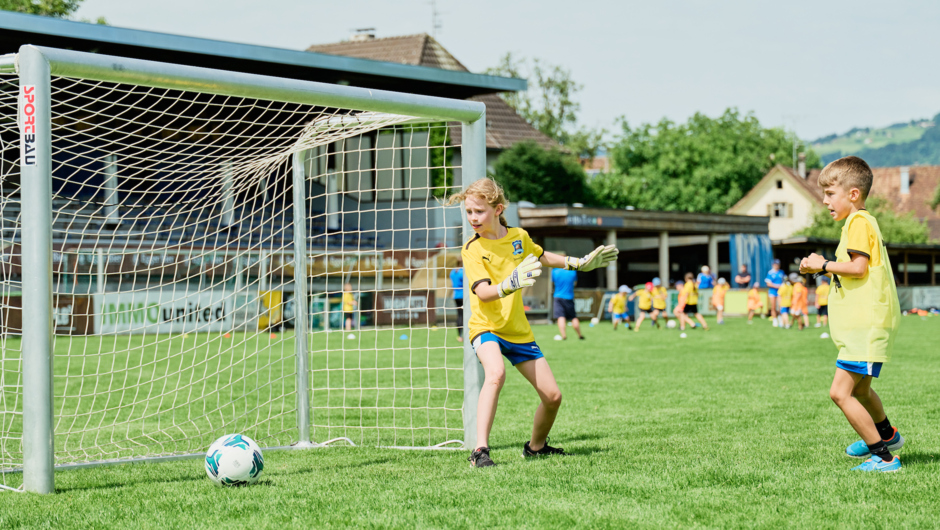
(504, 126)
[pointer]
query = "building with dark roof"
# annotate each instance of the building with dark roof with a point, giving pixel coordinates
(504, 127)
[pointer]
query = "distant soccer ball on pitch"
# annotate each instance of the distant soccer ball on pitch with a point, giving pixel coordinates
(671, 324)
(234, 460)
(595, 321)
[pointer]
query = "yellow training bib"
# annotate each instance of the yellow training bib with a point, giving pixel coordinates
(864, 313)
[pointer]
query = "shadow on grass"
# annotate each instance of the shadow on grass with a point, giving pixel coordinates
(918, 459)
(111, 484)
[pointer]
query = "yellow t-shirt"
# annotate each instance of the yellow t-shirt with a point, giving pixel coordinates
(861, 239)
(619, 303)
(659, 297)
(644, 299)
(691, 292)
(491, 261)
(864, 313)
(822, 294)
(718, 294)
(799, 296)
(349, 302)
(786, 294)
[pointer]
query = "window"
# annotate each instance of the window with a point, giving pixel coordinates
(779, 184)
(780, 209)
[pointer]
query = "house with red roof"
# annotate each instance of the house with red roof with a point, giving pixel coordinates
(791, 197)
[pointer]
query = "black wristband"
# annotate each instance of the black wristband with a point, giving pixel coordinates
(825, 263)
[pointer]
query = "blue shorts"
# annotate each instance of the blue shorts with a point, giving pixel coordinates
(516, 353)
(860, 367)
(784, 310)
(772, 292)
(621, 316)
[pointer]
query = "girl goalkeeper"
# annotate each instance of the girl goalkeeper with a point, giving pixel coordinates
(498, 262)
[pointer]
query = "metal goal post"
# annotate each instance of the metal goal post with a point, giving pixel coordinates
(35, 68)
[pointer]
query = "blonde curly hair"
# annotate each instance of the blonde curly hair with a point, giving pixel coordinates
(486, 189)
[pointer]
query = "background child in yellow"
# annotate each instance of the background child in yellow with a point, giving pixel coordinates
(718, 298)
(800, 304)
(753, 302)
(498, 262)
(659, 302)
(679, 310)
(349, 306)
(691, 302)
(618, 307)
(865, 313)
(645, 303)
(785, 295)
(822, 302)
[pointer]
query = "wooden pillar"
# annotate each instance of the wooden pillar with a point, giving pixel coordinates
(905, 269)
(664, 258)
(933, 267)
(612, 268)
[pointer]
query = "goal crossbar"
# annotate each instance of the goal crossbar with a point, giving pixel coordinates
(36, 67)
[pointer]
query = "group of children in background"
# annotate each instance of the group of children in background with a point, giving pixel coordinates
(792, 294)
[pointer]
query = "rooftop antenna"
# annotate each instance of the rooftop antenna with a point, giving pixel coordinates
(435, 19)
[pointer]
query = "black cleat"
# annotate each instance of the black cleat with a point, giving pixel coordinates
(481, 458)
(546, 450)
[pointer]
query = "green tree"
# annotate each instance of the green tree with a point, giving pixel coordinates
(894, 228)
(441, 155)
(49, 8)
(549, 104)
(528, 172)
(704, 165)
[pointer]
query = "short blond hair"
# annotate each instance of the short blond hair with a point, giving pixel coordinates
(488, 190)
(848, 172)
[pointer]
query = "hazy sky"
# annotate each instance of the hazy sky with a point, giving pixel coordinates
(814, 67)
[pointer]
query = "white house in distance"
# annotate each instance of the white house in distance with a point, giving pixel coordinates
(791, 197)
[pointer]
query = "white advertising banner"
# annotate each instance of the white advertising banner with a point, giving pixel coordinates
(157, 311)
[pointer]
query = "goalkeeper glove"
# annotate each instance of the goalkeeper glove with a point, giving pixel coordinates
(600, 257)
(522, 276)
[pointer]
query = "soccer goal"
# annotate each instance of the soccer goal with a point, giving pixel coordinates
(188, 252)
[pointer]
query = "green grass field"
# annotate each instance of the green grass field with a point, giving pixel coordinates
(730, 428)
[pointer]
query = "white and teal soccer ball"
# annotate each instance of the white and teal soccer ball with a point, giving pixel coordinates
(671, 324)
(234, 460)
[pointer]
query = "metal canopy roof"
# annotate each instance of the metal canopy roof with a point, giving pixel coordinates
(18, 29)
(567, 221)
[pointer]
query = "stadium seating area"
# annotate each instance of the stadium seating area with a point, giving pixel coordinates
(262, 228)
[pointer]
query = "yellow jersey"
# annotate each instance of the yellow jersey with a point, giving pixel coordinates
(799, 296)
(753, 299)
(786, 294)
(822, 295)
(864, 313)
(349, 302)
(718, 295)
(644, 299)
(491, 261)
(659, 298)
(691, 292)
(618, 304)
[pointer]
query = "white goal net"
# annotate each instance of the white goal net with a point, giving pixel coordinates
(174, 231)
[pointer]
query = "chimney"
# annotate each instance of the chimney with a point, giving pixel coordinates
(363, 35)
(905, 180)
(801, 165)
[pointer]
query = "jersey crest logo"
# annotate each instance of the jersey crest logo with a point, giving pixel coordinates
(517, 247)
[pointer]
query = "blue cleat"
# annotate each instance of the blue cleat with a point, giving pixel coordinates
(860, 449)
(876, 464)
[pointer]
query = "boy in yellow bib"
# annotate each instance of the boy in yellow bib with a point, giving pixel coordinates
(863, 309)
